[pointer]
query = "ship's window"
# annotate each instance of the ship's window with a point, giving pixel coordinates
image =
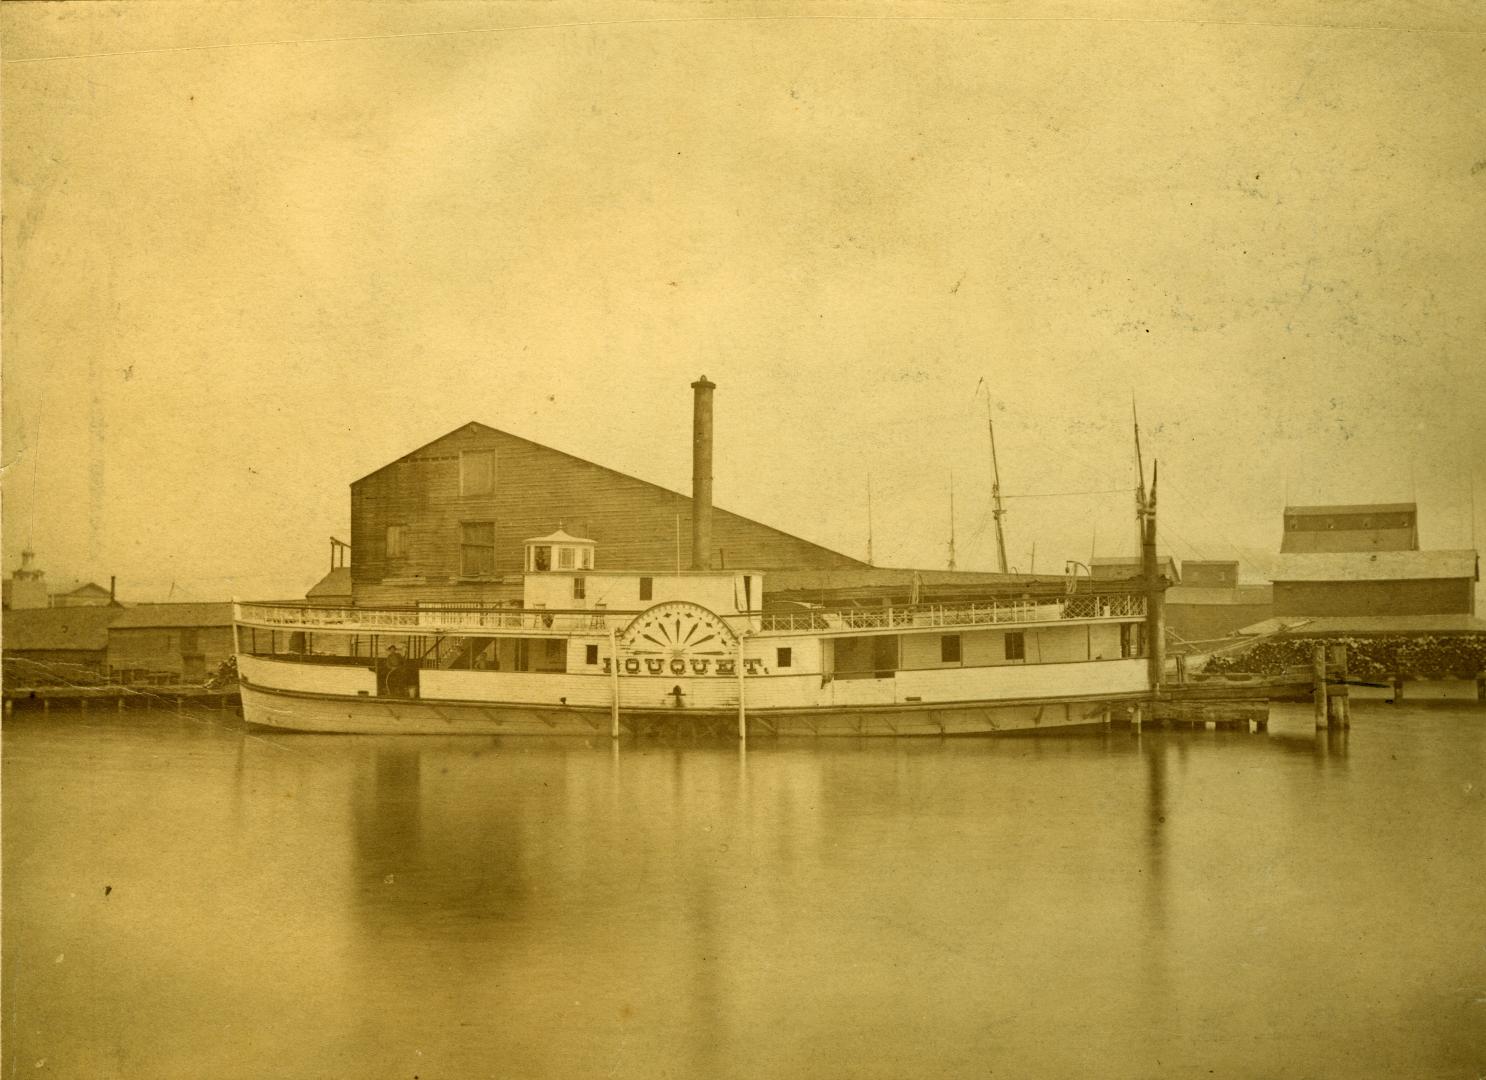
(554, 649)
(1016, 646)
(784, 657)
(949, 649)
(476, 472)
(477, 548)
(579, 588)
(396, 541)
(646, 588)
(541, 558)
(590, 654)
(565, 560)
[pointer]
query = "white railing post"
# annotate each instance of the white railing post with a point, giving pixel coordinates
(614, 664)
(742, 714)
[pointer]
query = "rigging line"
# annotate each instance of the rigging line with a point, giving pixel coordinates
(1193, 504)
(1162, 530)
(1061, 494)
(958, 18)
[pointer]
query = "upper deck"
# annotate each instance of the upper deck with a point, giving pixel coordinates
(598, 622)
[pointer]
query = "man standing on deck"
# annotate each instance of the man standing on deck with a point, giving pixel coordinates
(394, 674)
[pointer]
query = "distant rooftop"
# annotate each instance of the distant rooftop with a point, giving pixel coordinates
(1356, 508)
(59, 629)
(141, 616)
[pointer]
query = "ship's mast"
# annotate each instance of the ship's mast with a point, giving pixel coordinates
(997, 509)
(1155, 586)
(951, 521)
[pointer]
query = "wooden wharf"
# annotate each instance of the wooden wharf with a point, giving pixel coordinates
(1244, 700)
(118, 697)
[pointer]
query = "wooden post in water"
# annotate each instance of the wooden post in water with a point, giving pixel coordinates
(614, 671)
(1340, 699)
(1318, 676)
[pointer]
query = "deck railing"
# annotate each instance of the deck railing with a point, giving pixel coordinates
(823, 620)
(1113, 606)
(430, 620)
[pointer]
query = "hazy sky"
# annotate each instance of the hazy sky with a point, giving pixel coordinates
(253, 252)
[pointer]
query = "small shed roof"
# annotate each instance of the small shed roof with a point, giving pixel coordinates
(59, 629)
(1370, 624)
(1375, 565)
(154, 616)
(337, 583)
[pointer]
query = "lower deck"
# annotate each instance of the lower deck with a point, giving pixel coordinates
(298, 711)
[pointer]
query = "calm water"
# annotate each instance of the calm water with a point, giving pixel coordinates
(185, 900)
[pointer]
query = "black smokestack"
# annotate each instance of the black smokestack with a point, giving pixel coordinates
(701, 474)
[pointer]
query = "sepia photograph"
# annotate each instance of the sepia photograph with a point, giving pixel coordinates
(635, 539)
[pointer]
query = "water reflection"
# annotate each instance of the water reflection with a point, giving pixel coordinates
(1168, 904)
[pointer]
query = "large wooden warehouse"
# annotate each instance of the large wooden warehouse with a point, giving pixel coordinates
(447, 521)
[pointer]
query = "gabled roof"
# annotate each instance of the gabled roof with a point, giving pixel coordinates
(153, 616)
(1375, 565)
(87, 588)
(475, 425)
(58, 629)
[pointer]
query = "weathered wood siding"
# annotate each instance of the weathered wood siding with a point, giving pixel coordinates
(1430, 596)
(159, 649)
(536, 490)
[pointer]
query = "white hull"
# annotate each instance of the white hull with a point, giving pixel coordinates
(302, 711)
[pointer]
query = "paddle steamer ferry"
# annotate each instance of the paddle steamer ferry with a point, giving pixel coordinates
(588, 650)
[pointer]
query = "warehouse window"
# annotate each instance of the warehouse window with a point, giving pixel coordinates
(477, 548)
(476, 472)
(396, 541)
(646, 587)
(949, 649)
(1016, 646)
(580, 589)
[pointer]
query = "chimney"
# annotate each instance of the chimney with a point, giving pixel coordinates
(701, 474)
(113, 581)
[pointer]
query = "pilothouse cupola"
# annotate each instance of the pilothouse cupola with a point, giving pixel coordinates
(559, 552)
